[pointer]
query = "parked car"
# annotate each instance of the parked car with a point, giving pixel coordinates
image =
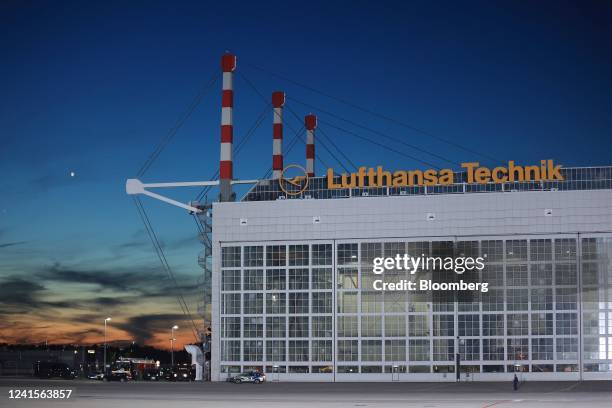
(119, 375)
(181, 372)
(151, 375)
(96, 376)
(43, 369)
(254, 377)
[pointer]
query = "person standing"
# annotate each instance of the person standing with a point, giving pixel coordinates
(515, 382)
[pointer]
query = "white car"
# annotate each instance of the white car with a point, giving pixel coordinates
(254, 377)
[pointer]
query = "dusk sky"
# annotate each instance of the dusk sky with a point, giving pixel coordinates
(91, 88)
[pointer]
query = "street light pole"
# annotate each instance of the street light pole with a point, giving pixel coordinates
(108, 319)
(172, 345)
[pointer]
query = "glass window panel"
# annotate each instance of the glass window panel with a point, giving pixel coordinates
(298, 302)
(252, 350)
(371, 326)
(298, 279)
(492, 325)
(276, 303)
(321, 350)
(298, 255)
(230, 327)
(275, 350)
(395, 326)
(395, 350)
(321, 302)
(276, 326)
(230, 257)
(253, 256)
(469, 325)
(418, 325)
(276, 279)
(493, 349)
(276, 255)
(322, 326)
(298, 326)
(541, 274)
(540, 249)
(443, 325)
(321, 254)
(230, 280)
(253, 327)
(253, 279)
(518, 324)
(348, 326)
(321, 278)
(347, 254)
(253, 303)
(418, 350)
(371, 350)
(348, 350)
(298, 350)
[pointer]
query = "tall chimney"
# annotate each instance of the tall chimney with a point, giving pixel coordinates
(278, 101)
(228, 65)
(310, 122)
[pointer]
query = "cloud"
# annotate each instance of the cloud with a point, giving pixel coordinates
(143, 328)
(10, 244)
(126, 280)
(19, 292)
(141, 242)
(27, 299)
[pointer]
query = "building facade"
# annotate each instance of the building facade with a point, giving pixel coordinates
(292, 290)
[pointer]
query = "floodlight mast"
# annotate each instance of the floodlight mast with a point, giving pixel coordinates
(135, 187)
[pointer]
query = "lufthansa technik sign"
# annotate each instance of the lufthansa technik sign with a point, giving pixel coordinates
(545, 171)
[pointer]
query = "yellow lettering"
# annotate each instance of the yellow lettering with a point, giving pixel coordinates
(532, 171)
(482, 175)
(353, 182)
(382, 175)
(431, 177)
(418, 174)
(470, 170)
(362, 173)
(515, 173)
(446, 177)
(330, 179)
(400, 179)
(371, 181)
(554, 173)
(497, 178)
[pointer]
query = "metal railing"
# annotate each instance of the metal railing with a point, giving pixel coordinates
(576, 178)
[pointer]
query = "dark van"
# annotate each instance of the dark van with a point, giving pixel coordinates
(44, 369)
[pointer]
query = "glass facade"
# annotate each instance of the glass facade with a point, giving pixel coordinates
(309, 308)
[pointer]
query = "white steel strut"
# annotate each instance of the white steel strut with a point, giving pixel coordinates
(135, 186)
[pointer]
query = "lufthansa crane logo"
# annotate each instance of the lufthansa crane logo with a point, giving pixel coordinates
(293, 180)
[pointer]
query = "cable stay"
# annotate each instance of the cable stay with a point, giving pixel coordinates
(384, 146)
(392, 138)
(376, 114)
(239, 147)
(289, 126)
(162, 258)
(170, 135)
(326, 148)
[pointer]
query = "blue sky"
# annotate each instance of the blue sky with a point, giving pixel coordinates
(92, 88)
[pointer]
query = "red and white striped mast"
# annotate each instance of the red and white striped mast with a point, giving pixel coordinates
(310, 122)
(136, 187)
(278, 101)
(226, 165)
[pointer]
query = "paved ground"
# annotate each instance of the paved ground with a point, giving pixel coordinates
(93, 394)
